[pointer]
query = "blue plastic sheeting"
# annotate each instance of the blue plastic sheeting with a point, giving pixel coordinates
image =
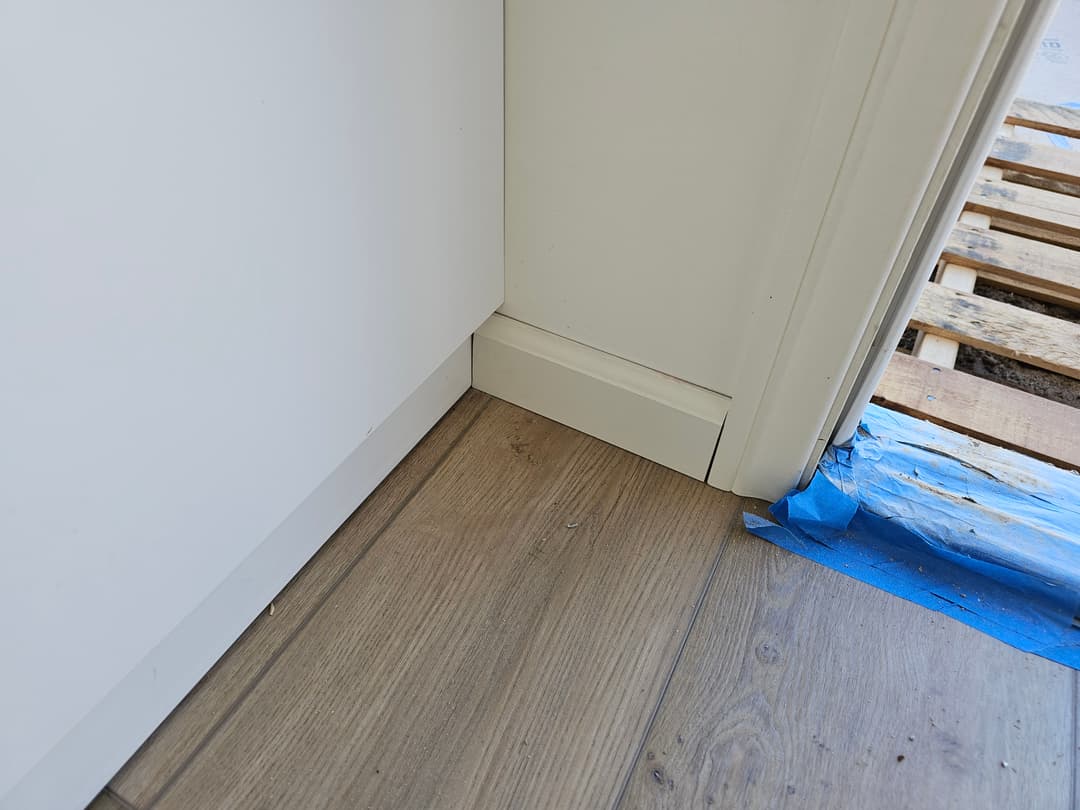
(984, 535)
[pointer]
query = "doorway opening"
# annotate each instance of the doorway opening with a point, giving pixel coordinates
(958, 487)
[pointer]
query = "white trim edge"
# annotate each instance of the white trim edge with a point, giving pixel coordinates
(662, 418)
(894, 168)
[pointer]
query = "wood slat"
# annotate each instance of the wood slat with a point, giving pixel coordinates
(1035, 207)
(1031, 290)
(1056, 186)
(1030, 337)
(1035, 158)
(1044, 117)
(188, 727)
(983, 409)
(801, 688)
(1053, 270)
(503, 644)
(1052, 236)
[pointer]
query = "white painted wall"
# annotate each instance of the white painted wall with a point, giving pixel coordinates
(653, 154)
(721, 191)
(234, 237)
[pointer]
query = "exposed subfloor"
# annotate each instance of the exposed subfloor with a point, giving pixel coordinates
(523, 616)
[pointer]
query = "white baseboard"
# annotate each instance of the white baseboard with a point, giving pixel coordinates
(86, 758)
(662, 418)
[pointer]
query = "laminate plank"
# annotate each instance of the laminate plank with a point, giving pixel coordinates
(802, 688)
(1033, 208)
(1035, 158)
(983, 409)
(502, 645)
(106, 801)
(181, 734)
(1053, 270)
(1044, 117)
(1030, 337)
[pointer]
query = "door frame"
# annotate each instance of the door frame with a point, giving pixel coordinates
(940, 87)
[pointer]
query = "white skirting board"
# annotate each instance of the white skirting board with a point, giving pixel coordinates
(662, 418)
(76, 769)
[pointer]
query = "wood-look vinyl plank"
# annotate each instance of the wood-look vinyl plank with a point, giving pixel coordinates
(502, 645)
(195, 719)
(802, 688)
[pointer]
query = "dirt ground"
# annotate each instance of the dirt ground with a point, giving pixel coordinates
(1013, 373)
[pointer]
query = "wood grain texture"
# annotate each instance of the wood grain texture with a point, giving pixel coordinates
(983, 409)
(801, 688)
(1030, 289)
(1045, 117)
(167, 750)
(503, 644)
(1052, 235)
(106, 801)
(1035, 208)
(1035, 158)
(1030, 337)
(1053, 270)
(942, 351)
(1070, 189)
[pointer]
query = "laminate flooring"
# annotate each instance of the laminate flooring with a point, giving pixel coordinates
(522, 616)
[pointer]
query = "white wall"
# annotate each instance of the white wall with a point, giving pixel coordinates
(652, 154)
(234, 237)
(719, 192)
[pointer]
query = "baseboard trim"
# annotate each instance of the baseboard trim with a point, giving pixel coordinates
(72, 773)
(662, 418)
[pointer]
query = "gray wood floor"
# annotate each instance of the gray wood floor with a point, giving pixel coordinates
(524, 616)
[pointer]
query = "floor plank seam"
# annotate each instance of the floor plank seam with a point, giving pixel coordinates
(706, 587)
(120, 800)
(276, 655)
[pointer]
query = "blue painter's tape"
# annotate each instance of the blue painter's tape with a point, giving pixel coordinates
(986, 536)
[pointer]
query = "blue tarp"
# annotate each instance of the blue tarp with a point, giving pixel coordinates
(984, 535)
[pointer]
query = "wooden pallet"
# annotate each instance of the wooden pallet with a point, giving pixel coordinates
(1020, 231)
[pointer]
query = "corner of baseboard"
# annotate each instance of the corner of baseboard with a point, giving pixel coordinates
(659, 417)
